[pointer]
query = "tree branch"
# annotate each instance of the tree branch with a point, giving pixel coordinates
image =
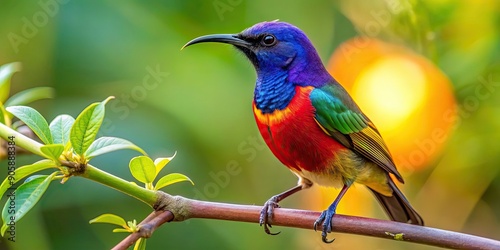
(145, 195)
(190, 209)
(21, 140)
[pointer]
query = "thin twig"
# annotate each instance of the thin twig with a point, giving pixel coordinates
(147, 227)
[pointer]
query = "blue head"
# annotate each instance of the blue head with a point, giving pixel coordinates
(283, 57)
(274, 48)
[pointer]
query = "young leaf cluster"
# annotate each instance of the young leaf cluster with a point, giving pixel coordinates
(125, 227)
(67, 144)
(145, 170)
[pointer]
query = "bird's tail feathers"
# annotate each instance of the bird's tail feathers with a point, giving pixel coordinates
(397, 206)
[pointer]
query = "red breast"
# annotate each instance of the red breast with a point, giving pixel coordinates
(293, 135)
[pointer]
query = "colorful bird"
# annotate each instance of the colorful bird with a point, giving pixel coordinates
(312, 125)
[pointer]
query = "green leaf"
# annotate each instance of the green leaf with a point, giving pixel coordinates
(140, 244)
(33, 177)
(26, 196)
(6, 72)
(161, 162)
(21, 172)
(133, 225)
(171, 179)
(2, 113)
(143, 169)
(108, 144)
(60, 128)
(30, 95)
(110, 219)
(86, 126)
(53, 151)
(34, 121)
(121, 230)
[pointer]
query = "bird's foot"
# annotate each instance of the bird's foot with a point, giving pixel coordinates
(325, 217)
(266, 214)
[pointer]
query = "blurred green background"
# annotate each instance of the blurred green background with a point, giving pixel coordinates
(197, 102)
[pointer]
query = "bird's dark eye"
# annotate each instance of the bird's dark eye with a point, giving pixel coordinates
(268, 40)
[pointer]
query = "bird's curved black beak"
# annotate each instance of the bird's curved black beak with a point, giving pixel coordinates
(219, 38)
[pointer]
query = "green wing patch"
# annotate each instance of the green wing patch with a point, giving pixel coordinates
(333, 114)
(351, 128)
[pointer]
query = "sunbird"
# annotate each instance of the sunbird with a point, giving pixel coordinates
(312, 125)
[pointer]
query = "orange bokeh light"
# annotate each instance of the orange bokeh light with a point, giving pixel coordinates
(407, 97)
